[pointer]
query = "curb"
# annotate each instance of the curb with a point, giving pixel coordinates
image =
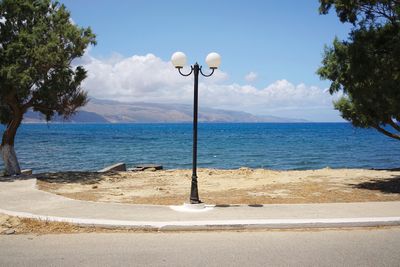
(217, 224)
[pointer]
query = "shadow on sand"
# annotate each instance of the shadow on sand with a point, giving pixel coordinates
(391, 185)
(71, 177)
(390, 170)
(60, 177)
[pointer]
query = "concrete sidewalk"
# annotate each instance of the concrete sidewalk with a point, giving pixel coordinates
(21, 198)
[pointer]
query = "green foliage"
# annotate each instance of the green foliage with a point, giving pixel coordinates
(363, 12)
(38, 42)
(366, 67)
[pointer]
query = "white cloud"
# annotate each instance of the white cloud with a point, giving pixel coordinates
(251, 76)
(138, 78)
(150, 79)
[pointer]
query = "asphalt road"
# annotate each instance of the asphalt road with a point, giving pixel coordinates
(269, 248)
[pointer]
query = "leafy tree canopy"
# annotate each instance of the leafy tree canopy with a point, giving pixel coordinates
(366, 67)
(38, 42)
(372, 13)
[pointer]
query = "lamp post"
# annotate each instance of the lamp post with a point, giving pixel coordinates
(213, 60)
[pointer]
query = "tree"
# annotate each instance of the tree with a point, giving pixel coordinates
(38, 42)
(366, 67)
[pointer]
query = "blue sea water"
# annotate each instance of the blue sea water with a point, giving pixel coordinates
(57, 147)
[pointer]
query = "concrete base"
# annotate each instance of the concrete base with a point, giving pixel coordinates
(194, 206)
(187, 207)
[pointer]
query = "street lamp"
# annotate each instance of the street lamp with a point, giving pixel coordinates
(213, 60)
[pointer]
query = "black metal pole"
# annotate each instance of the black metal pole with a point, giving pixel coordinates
(194, 194)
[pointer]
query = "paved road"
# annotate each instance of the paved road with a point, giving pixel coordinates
(283, 248)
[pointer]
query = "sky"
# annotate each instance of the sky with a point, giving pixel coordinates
(270, 52)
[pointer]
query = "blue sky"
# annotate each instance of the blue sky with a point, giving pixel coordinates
(275, 44)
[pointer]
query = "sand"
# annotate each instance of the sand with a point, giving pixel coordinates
(221, 187)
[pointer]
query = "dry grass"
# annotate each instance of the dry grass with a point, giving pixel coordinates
(40, 227)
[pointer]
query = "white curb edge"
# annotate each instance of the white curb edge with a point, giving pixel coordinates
(217, 224)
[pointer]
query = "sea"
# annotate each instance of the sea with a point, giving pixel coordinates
(279, 146)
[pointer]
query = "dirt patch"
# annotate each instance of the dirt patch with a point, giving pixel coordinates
(11, 225)
(14, 225)
(241, 186)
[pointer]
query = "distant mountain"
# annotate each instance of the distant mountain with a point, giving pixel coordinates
(108, 111)
(80, 117)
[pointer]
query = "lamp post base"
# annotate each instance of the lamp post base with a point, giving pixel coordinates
(194, 193)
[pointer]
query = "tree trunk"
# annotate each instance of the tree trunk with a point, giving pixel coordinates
(7, 147)
(10, 160)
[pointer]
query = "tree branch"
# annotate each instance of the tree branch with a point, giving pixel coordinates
(394, 124)
(28, 104)
(379, 11)
(387, 133)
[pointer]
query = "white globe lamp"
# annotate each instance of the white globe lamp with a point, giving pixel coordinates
(213, 60)
(178, 59)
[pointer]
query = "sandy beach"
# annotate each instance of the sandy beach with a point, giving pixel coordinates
(223, 187)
